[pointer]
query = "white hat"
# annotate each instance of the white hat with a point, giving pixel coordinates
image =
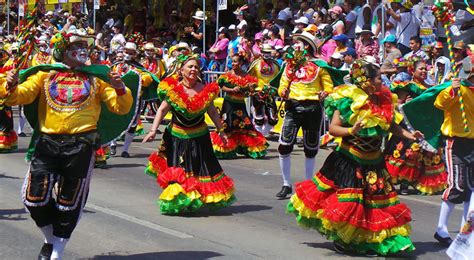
(49, 13)
(307, 37)
(130, 46)
(80, 35)
(183, 45)
(337, 56)
(199, 15)
(467, 67)
(241, 25)
(266, 48)
(303, 19)
(372, 60)
(222, 29)
(66, 14)
(149, 46)
(232, 27)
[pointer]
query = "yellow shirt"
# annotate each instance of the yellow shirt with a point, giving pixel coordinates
(264, 72)
(307, 82)
(67, 103)
(449, 103)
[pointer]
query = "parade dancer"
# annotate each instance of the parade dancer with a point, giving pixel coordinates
(241, 136)
(264, 107)
(155, 65)
(303, 84)
(67, 97)
(351, 200)
(447, 111)
(148, 81)
(185, 164)
(408, 162)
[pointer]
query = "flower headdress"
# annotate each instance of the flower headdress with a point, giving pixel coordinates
(182, 59)
(359, 75)
(137, 38)
(60, 41)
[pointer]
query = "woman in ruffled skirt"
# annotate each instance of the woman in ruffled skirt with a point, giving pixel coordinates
(351, 199)
(185, 164)
(243, 138)
(407, 161)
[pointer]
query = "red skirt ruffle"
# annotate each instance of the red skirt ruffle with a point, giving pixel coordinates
(8, 141)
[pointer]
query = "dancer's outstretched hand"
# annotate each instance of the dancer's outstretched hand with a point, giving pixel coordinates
(149, 137)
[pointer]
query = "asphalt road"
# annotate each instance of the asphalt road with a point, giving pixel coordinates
(122, 220)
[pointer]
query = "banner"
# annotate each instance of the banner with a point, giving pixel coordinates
(221, 5)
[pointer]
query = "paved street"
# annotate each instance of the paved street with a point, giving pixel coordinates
(122, 220)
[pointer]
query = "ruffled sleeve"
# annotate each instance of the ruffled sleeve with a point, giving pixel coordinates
(353, 104)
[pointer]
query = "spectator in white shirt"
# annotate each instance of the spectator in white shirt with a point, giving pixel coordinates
(416, 51)
(406, 23)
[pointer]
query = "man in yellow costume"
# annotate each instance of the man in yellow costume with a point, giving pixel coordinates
(445, 115)
(303, 84)
(69, 100)
(265, 111)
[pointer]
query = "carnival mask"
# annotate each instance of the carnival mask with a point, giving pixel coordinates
(80, 55)
(299, 46)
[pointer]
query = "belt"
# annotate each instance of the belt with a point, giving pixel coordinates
(90, 137)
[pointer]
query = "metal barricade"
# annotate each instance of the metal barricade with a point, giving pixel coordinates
(211, 76)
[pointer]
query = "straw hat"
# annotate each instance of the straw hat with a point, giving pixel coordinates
(308, 38)
(199, 15)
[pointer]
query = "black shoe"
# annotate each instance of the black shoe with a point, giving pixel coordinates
(46, 251)
(22, 135)
(100, 165)
(285, 190)
(339, 248)
(445, 241)
(125, 155)
(113, 150)
(403, 189)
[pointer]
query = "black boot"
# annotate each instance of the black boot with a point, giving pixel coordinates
(46, 251)
(285, 190)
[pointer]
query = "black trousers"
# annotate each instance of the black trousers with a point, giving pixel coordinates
(459, 159)
(309, 116)
(262, 109)
(60, 163)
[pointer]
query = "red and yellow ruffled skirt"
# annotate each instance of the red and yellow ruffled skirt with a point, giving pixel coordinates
(101, 156)
(8, 141)
(183, 192)
(247, 142)
(367, 217)
(408, 163)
